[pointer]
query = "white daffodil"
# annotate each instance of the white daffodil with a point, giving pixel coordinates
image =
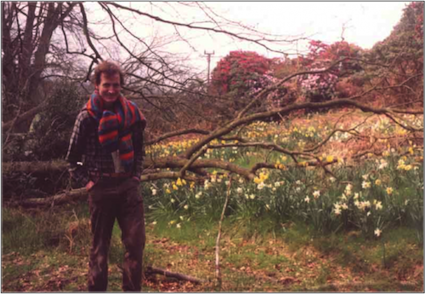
(383, 164)
(378, 232)
(365, 185)
(337, 211)
(357, 203)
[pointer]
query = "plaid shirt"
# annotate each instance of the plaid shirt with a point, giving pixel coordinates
(85, 154)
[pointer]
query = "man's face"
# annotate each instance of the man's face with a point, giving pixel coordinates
(109, 87)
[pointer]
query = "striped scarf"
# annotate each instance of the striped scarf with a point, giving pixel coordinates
(114, 126)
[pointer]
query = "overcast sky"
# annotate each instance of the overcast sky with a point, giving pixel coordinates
(364, 24)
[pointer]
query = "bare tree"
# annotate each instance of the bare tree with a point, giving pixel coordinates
(44, 40)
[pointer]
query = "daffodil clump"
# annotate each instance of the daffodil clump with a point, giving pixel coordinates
(384, 189)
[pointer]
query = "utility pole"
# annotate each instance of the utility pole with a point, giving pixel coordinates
(209, 61)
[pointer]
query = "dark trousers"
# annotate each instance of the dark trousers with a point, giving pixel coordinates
(111, 199)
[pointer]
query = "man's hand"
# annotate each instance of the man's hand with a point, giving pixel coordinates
(89, 185)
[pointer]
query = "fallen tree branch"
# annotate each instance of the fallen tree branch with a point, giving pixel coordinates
(34, 166)
(150, 270)
(177, 133)
(285, 111)
(73, 195)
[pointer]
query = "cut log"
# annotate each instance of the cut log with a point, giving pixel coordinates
(73, 195)
(150, 270)
(34, 166)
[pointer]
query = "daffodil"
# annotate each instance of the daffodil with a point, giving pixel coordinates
(337, 211)
(383, 164)
(186, 207)
(316, 194)
(378, 182)
(357, 203)
(365, 185)
(307, 199)
(378, 232)
(389, 190)
(179, 182)
(260, 186)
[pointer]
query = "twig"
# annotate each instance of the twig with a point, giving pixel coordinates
(217, 245)
(155, 270)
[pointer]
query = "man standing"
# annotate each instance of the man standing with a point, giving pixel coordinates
(105, 154)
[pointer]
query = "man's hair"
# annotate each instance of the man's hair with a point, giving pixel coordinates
(109, 68)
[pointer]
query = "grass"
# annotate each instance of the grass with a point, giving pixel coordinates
(254, 259)
(281, 236)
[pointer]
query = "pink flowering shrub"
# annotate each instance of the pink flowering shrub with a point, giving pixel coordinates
(319, 87)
